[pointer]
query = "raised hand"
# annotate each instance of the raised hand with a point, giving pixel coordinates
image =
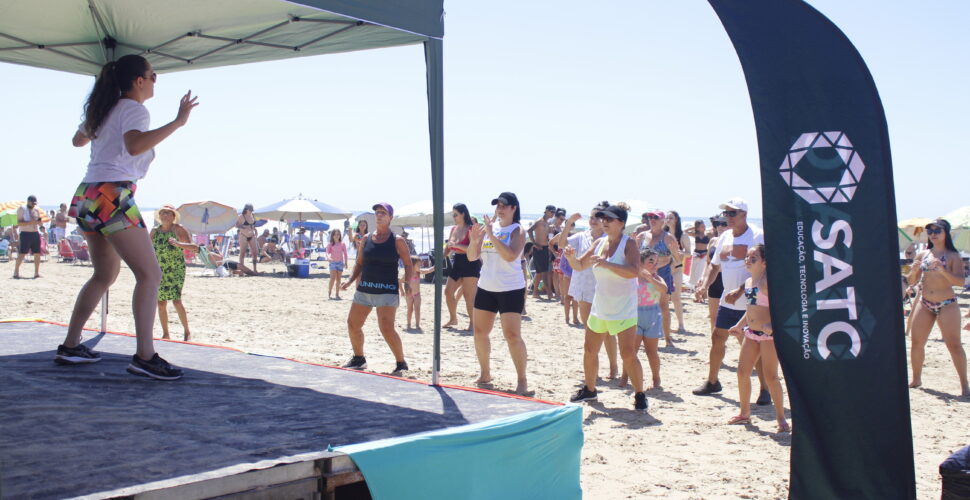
(570, 252)
(476, 232)
(574, 217)
(186, 104)
(488, 225)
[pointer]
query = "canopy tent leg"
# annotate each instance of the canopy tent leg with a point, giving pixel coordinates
(432, 59)
(104, 312)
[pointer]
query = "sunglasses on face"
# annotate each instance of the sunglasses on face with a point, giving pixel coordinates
(651, 217)
(719, 224)
(751, 260)
(934, 230)
(729, 213)
(153, 77)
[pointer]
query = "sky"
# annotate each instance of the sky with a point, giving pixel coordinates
(558, 102)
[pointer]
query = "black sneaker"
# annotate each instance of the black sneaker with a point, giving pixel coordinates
(764, 398)
(708, 388)
(156, 368)
(402, 366)
(75, 355)
(640, 401)
(583, 394)
(356, 363)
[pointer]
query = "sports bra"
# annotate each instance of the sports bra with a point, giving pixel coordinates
(703, 240)
(756, 297)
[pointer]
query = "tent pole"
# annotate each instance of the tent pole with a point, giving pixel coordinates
(433, 63)
(104, 312)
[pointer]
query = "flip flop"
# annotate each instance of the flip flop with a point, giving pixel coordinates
(739, 420)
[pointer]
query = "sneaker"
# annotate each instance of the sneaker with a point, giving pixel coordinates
(764, 398)
(75, 355)
(640, 401)
(402, 366)
(708, 388)
(156, 368)
(583, 394)
(356, 363)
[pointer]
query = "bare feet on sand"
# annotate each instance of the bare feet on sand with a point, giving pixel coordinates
(483, 380)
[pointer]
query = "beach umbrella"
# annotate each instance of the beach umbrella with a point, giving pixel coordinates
(312, 225)
(14, 205)
(299, 209)
(959, 220)
(913, 228)
(419, 214)
(8, 217)
(207, 217)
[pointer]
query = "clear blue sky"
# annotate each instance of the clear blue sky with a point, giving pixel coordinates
(557, 101)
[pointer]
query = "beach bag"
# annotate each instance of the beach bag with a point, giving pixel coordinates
(956, 475)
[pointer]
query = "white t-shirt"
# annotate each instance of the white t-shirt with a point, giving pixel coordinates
(110, 160)
(733, 272)
(498, 274)
(582, 280)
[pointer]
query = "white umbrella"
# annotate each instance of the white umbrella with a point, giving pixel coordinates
(207, 217)
(299, 209)
(418, 214)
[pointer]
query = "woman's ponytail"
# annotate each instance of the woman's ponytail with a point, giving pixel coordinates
(116, 78)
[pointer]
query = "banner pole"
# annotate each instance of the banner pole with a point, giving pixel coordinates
(104, 312)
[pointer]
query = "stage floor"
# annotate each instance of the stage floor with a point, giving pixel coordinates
(78, 430)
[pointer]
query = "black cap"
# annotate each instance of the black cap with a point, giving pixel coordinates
(613, 212)
(506, 198)
(551, 208)
(560, 212)
(32, 198)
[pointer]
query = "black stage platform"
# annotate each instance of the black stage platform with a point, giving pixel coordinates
(95, 430)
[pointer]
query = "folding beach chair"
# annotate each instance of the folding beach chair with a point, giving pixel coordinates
(44, 251)
(4, 251)
(65, 252)
(81, 253)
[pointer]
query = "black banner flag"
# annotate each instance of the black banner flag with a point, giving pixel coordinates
(833, 256)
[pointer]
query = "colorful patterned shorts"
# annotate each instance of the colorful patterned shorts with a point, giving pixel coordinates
(105, 207)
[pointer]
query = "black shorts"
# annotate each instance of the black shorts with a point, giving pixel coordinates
(717, 288)
(541, 257)
(29, 242)
(727, 318)
(464, 268)
(512, 301)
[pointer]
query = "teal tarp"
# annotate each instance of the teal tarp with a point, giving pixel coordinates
(532, 455)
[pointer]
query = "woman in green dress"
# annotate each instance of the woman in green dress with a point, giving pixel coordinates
(172, 261)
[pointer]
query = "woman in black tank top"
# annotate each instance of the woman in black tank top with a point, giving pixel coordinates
(376, 269)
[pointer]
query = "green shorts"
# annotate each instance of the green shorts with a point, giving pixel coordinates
(611, 326)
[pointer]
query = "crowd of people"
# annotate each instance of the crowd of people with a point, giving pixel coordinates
(623, 286)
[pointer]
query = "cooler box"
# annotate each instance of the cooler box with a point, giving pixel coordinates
(300, 268)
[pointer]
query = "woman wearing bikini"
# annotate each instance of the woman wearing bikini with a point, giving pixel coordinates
(701, 239)
(938, 269)
(246, 223)
(668, 252)
(463, 273)
(755, 330)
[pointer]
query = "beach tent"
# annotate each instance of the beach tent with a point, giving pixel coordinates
(79, 36)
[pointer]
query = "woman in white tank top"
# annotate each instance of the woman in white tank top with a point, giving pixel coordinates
(615, 261)
(501, 286)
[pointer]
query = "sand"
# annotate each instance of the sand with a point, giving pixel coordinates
(679, 449)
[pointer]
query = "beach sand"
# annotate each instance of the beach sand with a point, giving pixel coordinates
(679, 449)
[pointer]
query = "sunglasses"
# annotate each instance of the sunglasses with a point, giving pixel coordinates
(729, 213)
(751, 260)
(153, 77)
(651, 217)
(932, 230)
(719, 224)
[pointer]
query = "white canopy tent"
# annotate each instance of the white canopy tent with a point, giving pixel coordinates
(80, 36)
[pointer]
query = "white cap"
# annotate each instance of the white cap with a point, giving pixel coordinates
(736, 203)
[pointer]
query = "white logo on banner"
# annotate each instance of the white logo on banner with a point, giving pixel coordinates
(851, 167)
